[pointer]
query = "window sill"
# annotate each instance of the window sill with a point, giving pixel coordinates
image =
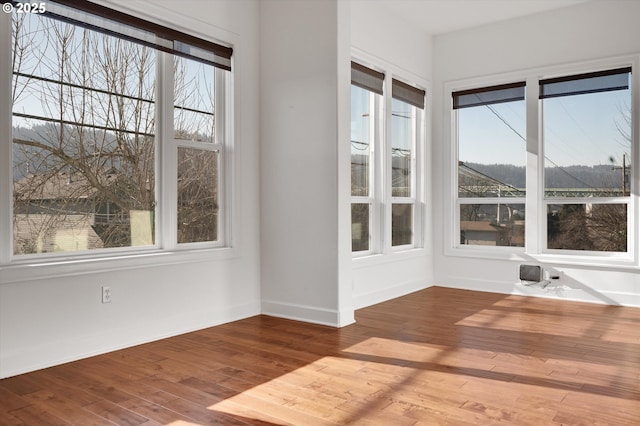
(31, 270)
(393, 256)
(592, 261)
(626, 262)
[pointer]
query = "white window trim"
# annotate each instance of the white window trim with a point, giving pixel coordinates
(381, 243)
(535, 206)
(48, 266)
(452, 207)
(6, 173)
(170, 146)
(417, 170)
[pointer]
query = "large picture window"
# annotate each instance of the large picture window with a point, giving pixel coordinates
(572, 169)
(97, 95)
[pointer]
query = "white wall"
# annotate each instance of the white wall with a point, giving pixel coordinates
(381, 39)
(583, 33)
(303, 251)
(376, 30)
(46, 320)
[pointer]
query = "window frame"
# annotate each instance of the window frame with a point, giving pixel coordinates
(417, 144)
(535, 207)
(375, 178)
(17, 267)
(460, 201)
(547, 201)
(381, 233)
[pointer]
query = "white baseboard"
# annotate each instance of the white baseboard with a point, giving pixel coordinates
(306, 313)
(552, 291)
(379, 296)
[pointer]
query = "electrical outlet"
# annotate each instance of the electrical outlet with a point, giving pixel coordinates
(106, 294)
(556, 275)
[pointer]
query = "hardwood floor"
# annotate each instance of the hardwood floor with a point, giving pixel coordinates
(438, 356)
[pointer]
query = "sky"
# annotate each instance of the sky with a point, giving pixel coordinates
(360, 121)
(578, 130)
(194, 82)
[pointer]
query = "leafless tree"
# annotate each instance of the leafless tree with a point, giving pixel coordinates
(84, 134)
(597, 227)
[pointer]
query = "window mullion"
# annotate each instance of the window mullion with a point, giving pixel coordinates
(534, 207)
(198, 145)
(415, 172)
(386, 168)
(6, 212)
(414, 146)
(424, 167)
(222, 137)
(167, 171)
(403, 200)
(362, 200)
(377, 176)
(632, 218)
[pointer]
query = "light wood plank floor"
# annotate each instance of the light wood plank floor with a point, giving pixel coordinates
(438, 356)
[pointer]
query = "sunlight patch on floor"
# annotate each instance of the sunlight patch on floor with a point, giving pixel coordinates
(389, 351)
(396, 349)
(299, 388)
(416, 380)
(315, 393)
(528, 322)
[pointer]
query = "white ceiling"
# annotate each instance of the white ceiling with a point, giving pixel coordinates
(443, 16)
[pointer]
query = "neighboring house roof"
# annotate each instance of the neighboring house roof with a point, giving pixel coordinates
(515, 234)
(44, 233)
(472, 225)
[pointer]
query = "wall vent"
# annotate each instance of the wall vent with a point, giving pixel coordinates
(530, 273)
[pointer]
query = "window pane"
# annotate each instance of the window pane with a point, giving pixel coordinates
(197, 195)
(492, 150)
(361, 139)
(592, 227)
(401, 224)
(360, 226)
(194, 99)
(402, 148)
(83, 138)
(587, 144)
(492, 224)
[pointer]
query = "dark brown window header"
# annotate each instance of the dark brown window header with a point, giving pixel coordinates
(119, 24)
(489, 95)
(407, 93)
(366, 78)
(580, 84)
